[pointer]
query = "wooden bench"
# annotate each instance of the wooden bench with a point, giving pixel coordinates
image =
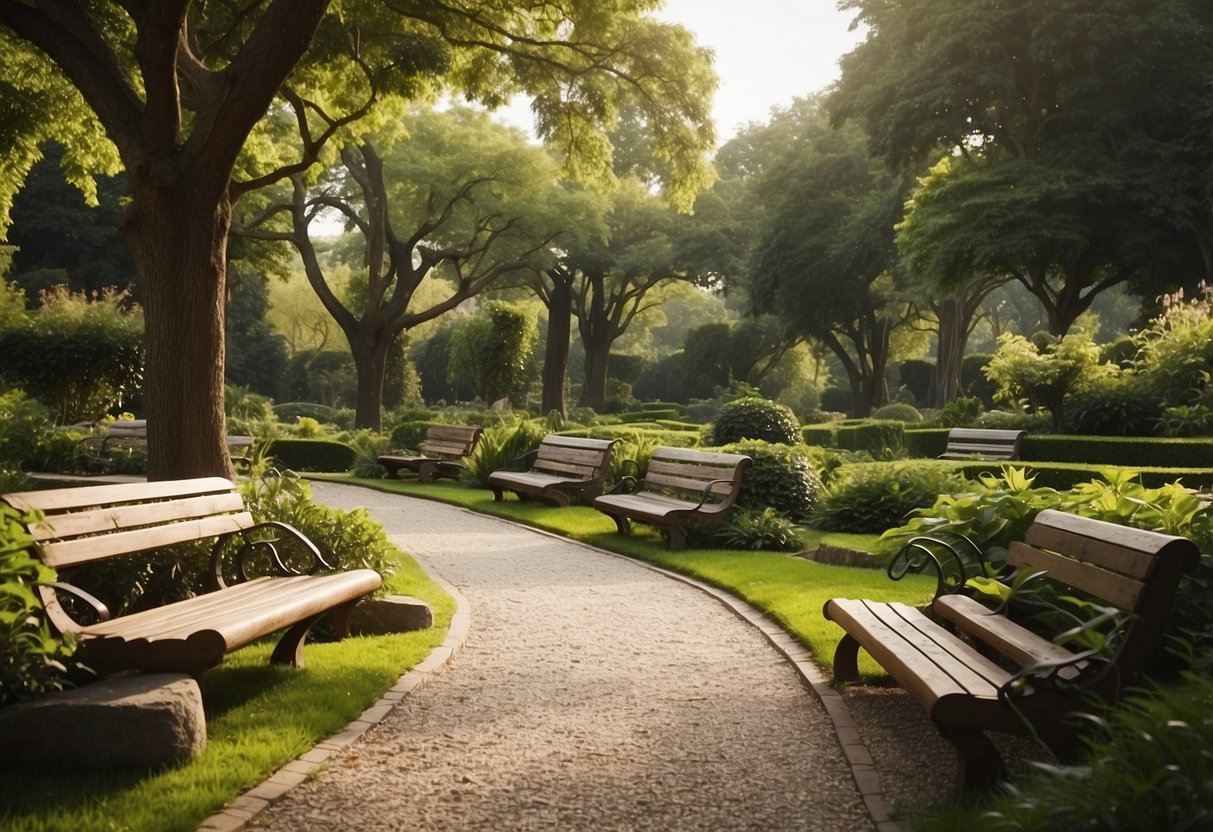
(974, 669)
(564, 467)
(680, 487)
(132, 433)
(442, 453)
(966, 443)
(93, 523)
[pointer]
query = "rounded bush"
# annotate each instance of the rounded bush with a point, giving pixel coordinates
(1120, 406)
(898, 412)
(755, 418)
(408, 435)
(311, 454)
(781, 478)
(872, 498)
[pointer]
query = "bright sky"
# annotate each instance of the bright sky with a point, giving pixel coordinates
(767, 53)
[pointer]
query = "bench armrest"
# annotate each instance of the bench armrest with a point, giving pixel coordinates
(941, 554)
(280, 553)
(626, 485)
(99, 609)
(707, 491)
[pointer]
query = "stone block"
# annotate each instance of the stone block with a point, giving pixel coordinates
(136, 720)
(391, 614)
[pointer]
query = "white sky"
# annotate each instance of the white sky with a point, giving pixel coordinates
(767, 53)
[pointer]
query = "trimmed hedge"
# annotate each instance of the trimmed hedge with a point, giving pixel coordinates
(872, 436)
(659, 436)
(781, 478)
(925, 443)
(649, 415)
(1155, 452)
(824, 435)
(311, 454)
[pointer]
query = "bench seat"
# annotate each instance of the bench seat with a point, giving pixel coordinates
(442, 453)
(967, 443)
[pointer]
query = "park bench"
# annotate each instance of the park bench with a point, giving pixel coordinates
(91, 524)
(442, 453)
(564, 467)
(680, 487)
(966, 443)
(132, 433)
(974, 669)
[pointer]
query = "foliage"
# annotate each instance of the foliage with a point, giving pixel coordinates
(874, 498)
(897, 412)
(780, 478)
(256, 355)
(80, 354)
(310, 454)
(759, 530)
(346, 539)
(1046, 378)
(881, 439)
(755, 418)
(962, 412)
(1175, 360)
(503, 447)
(1120, 405)
(1147, 768)
(491, 350)
(409, 435)
(33, 659)
(1015, 420)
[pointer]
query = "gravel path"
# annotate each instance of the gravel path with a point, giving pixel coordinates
(591, 693)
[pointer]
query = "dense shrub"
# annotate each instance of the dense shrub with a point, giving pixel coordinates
(1014, 420)
(1116, 406)
(79, 354)
(759, 529)
(292, 412)
(1046, 377)
(408, 435)
(33, 659)
(310, 454)
(897, 412)
(824, 434)
(780, 478)
(837, 400)
(925, 443)
(915, 376)
(1147, 768)
(872, 498)
(1120, 450)
(754, 418)
(962, 412)
(973, 378)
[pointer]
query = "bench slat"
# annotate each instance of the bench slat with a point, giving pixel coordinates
(1118, 590)
(67, 499)
(85, 549)
(108, 519)
(709, 457)
(1022, 646)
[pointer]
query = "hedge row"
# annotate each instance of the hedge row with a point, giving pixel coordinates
(311, 454)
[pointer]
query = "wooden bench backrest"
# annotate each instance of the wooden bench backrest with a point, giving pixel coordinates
(574, 457)
(998, 443)
(1134, 570)
(95, 522)
(451, 440)
(685, 470)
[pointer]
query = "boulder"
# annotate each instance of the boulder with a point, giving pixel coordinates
(136, 720)
(390, 614)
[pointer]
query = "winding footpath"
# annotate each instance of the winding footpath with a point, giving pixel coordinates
(590, 692)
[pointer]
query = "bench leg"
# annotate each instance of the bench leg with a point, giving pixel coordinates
(557, 496)
(290, 646)
(622, 524)
(846, 660)
(497, 497)
(426, 471)
(677, 537)
(340, 617)
(978, 762)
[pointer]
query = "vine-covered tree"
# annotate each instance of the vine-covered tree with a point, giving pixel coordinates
(173, 91)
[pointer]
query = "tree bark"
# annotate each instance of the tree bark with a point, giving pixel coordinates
(179, 244)
(556, 353)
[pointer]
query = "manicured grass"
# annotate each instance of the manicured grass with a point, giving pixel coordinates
(259, 717)
(790, 589)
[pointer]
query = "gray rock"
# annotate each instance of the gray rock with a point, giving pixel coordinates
(136, 720)
(391, 614)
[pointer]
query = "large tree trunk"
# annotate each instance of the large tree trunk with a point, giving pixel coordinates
(556, 353)
(949, 358)
(597, 354)
(370, 363)
(179, 242)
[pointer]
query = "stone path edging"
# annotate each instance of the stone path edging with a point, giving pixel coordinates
(863, 768)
